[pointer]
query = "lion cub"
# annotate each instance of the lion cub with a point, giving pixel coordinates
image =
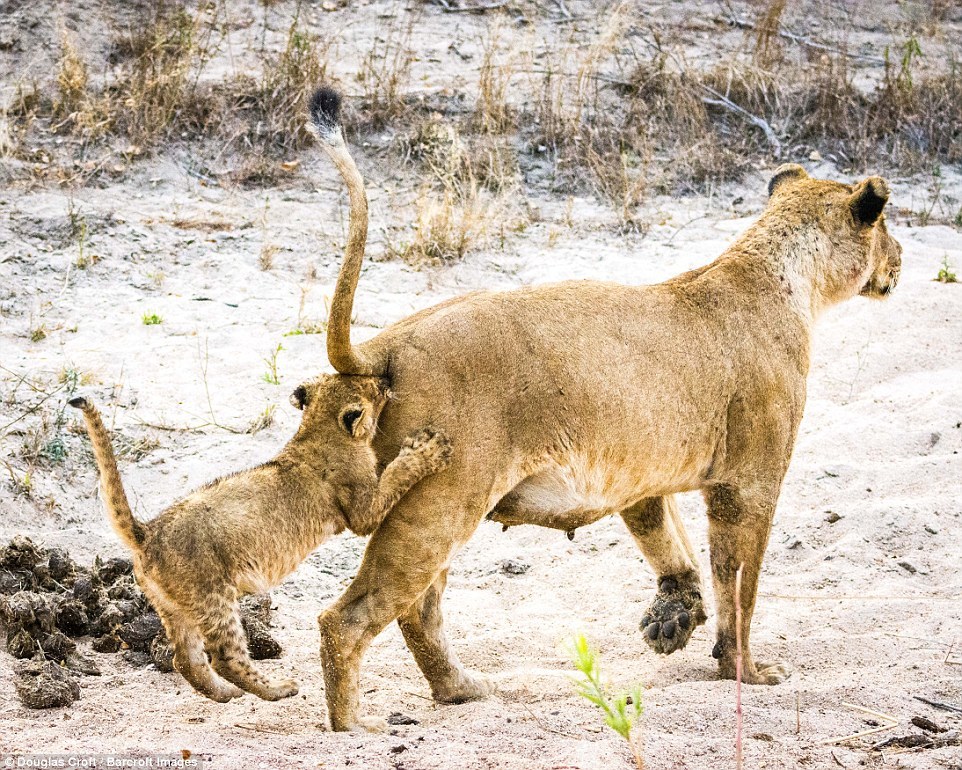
(245, 532)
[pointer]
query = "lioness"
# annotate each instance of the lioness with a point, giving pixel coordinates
(246, 532)
(578, 400)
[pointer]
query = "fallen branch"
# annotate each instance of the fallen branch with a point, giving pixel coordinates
(892, 723)
(721, 100)
(939, 705)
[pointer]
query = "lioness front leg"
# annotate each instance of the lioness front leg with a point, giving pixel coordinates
(677, 608)
(739, 522)
(423, 629)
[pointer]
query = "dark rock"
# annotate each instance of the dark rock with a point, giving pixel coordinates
(42, 685)
(397, 718)
(72, 618)
(87, 590)
(125, 587)
(21, 645)
(137, 658)
(832, 517)
(112, 569)
(107, 643)
(162, 653)
(140, 632)
(260, 644)
(57, 646)
(60, 565)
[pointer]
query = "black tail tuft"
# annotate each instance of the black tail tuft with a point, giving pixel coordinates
(79, 402)
(325, 110)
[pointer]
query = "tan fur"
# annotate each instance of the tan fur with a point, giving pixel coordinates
(579, 400)
(246, 532)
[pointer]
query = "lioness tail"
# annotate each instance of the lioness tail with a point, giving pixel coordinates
(325, 124)
(121, 518)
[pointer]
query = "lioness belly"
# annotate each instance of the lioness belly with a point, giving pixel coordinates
(577, 491)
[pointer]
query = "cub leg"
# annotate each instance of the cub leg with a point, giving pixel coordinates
(739, 522)
(422, 454)
(190, 660)
(224, 640)
(677, 608)
(423, 628)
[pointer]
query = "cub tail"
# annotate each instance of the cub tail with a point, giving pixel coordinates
(122, 519)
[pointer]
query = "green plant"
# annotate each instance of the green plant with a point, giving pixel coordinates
(614, 709)
(151, 319)
(946, 273)
(271, 376)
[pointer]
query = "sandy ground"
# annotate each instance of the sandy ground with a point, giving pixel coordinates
(879, 447)
(866, 609)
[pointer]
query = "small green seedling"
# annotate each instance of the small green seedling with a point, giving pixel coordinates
(152, 319)
(271, 376)
(614, 709)
(946, 273)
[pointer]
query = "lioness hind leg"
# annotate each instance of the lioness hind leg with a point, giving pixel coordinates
(677, 608)
(226, 643)
(739, 522)
(423, 628)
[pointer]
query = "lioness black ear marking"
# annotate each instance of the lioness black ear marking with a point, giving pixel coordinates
(869, 199)
(785, 173)
(350, 418)
(299, 398)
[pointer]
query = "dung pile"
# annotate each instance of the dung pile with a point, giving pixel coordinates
(47, 601)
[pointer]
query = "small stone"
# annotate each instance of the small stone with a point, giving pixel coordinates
(514, 567)
(42, 685)
(397, 718)
(763, 737)
(398, 749)
(832, 517)
(931, 530)
(924, 723)
(908, 567)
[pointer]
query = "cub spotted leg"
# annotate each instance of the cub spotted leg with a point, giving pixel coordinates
(226, 643)
(423, 628)
(677, 608)
(739, 522)
(191, 662)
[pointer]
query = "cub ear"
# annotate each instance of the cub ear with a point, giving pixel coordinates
(351, 420)
(301, 397)
(787, 172)
(869, 199)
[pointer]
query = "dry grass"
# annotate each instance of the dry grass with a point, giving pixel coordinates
(385, 74)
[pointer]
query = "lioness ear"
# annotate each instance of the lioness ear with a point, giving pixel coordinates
(869, 199)
(785, 173)
(351, 420)
(300, 397)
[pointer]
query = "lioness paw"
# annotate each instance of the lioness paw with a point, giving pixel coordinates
(672, 617)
